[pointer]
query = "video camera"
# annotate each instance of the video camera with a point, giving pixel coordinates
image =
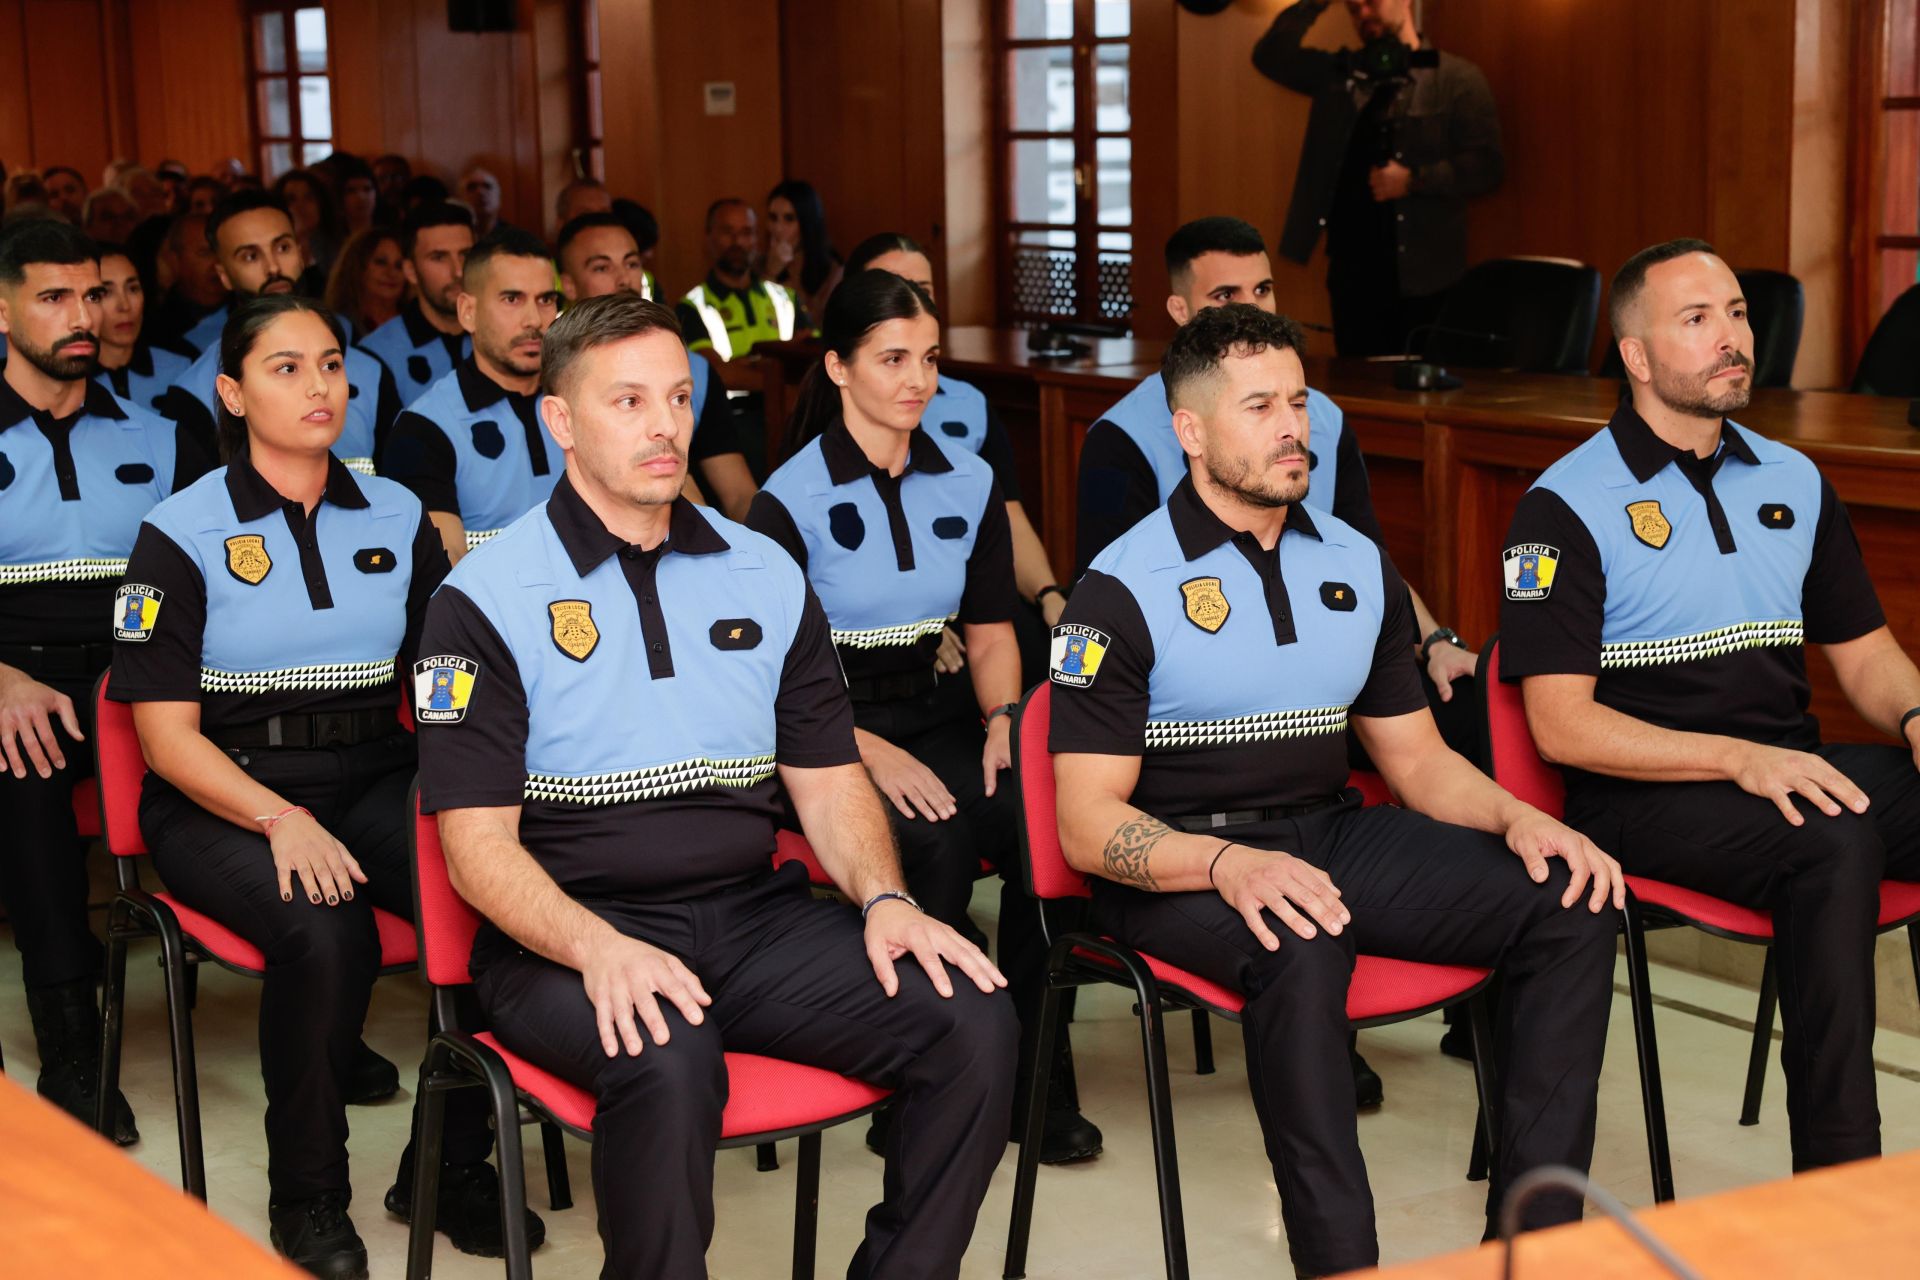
(1385, 60)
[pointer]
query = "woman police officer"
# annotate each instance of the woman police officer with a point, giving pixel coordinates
(266, 610)
(901, 535)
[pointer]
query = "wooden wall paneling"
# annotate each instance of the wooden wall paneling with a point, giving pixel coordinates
(1819, 219)
(64, 43)
(923, 149)
(630, 100)
(1154, 103)
(373, 77)
(189, 82)
(966, 269)
(16, 103)
(553, 63)
(1749, 49)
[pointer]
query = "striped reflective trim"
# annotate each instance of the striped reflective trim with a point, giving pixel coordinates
(477, 536)
(1264, 727)
(1721, 641)
(651, 783)
(84, 570)
(328, 677)
(906, 633)
(359, 466)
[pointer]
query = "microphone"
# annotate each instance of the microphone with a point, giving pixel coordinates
(1557, 1177)
(1420, 375)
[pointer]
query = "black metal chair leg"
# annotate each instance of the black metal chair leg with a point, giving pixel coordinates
(806, 1207)
(1166, 1161)
(113, 1006)
(1762, 1040)
(429, 1131)
(1652, 1098)
(1027, 1165)
(1202, 1044)
(1486, 1085)
(766, 1157)
(513, 1180)
(186, 1080)
(1913, 946)
(559, 1184)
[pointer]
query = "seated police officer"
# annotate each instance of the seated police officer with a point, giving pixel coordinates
(1206, 673)
(636, 928)
(259, 255)
(138, 369)
(78, 469)
(264, 610)
(425, 341)
(598, 255)
(473, 449)
(734, 308)
(1661, 584)
(901, 537)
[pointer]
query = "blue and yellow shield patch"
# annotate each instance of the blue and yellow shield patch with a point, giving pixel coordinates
(442, 687)
(136, 606)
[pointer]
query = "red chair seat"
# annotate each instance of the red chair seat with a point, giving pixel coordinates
(397, 944)
(86, 808)
(1380, 987)
(765, 1095)
(1899, 901)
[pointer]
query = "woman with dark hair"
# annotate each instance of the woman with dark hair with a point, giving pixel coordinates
(358, 192)
(316, 221)
(367, 282)
(269, 615)
(901, 535)
(799, 252)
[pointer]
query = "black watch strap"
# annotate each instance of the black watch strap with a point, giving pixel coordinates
(1912, 714)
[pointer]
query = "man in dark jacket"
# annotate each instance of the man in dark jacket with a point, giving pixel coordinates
(1399, 140)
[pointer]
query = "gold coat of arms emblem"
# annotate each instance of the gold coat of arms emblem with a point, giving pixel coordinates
(1207, 606)
(573, 630)
(247, 558)
(1649, 524)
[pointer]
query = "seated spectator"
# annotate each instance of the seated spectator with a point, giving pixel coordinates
(581, 196)
(391, 174)
(203, 193)
(799, 254)
(358, 191)
(66, 191)
(366, 283)
(24, 188)
(109, 215)
(639, 219)
(149, 194)
(316, 222)
(193, 309)
(135, 368)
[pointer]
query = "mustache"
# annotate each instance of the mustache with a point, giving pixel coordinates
(1732, 360)
(76, 338)
(1285, 452)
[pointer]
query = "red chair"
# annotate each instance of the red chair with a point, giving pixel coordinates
(768, 1099)
(1516, 765)
(186, 936)
(1383, 991)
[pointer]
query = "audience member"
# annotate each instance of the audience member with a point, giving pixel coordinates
(66, 192)
(799, 254)
(366, 283)
(193, 309)
(109, 215)
(581, 196)
(481, 190)
(391, 174)
(316, 221)
(137, 368)
(424, 341)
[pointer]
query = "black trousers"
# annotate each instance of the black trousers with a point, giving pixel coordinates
(1417, 890)
(790, 978)
(43, 868)
(1820, 881)
(321, 961)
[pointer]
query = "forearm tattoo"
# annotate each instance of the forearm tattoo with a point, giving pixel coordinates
(1127, 854)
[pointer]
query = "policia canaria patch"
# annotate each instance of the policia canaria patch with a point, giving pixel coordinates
(1076, 655)
(136, 606)
(1529, 568)
(573, 631)
(247, 558)
(442, 687)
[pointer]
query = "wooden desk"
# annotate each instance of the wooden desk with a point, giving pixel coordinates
(1856, 1222)
(77, 1208)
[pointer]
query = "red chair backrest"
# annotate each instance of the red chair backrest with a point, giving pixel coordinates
(1512, 758)
(443, 919)
(1048, 875)
(121, 769)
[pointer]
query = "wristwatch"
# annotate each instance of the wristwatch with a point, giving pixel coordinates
(1447, 634)
(1051, 589)
(1004, 709)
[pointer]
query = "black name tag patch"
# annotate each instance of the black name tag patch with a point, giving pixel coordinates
(133, 473)
(1338, 596)
(846, 526)
(734, 633)
(1776, 515)
(418, 369)
(954, 429)
(374, 560)
(487, 440)
(950, 527)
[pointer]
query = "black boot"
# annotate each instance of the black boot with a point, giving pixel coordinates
(467, 1208)
(1368, 1089)
(370, 1078)
(66, 1026)
(1065, 1135)
(317, 1236)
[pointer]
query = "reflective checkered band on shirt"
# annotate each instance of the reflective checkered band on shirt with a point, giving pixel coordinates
(14, 575)
(1258, 728)
(332, 676)
(907, 633)
(359, 466)
(477, 536)
(1718, 643)
(652, 783)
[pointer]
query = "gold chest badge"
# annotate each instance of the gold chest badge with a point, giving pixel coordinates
(1649, 525)
(1207, 606)
(247, 558)
(573, 631)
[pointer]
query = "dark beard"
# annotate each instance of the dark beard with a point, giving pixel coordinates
(58, 367)
(1690, 395)
(1254, 494)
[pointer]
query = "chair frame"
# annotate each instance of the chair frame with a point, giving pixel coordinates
(1078, 959)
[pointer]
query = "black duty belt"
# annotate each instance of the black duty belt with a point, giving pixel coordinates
(893, 688)
(1246, 817)
(59, 661)
(311, 729)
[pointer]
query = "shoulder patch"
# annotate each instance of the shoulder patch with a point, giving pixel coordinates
(1076, 655)
(442, 687)
(1529, 568)
(135, 608)
(1207, 606)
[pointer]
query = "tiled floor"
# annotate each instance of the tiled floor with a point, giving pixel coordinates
(1097, 1219)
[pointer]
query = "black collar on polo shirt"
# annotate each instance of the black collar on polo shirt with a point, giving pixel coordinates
(420, 330)
(847, 461)
(721, 290)
(1199, 530)
(98, 403)
(254, 498)
(1646, 453)
(589, 542)
(481, 391)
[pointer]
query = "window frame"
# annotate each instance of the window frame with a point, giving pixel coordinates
(1882, 28)
(290, 75)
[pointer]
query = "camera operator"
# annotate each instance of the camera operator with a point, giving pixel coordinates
(1401, 136)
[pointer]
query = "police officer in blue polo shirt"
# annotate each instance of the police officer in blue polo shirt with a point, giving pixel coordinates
(137, 368)
(78, 469)
(598, 255)
(473, 449)
(257, 635)
(637, 930)
(1662, 582)
(902, 537)
(253, 239)
(424, 342)
(1205, 677)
